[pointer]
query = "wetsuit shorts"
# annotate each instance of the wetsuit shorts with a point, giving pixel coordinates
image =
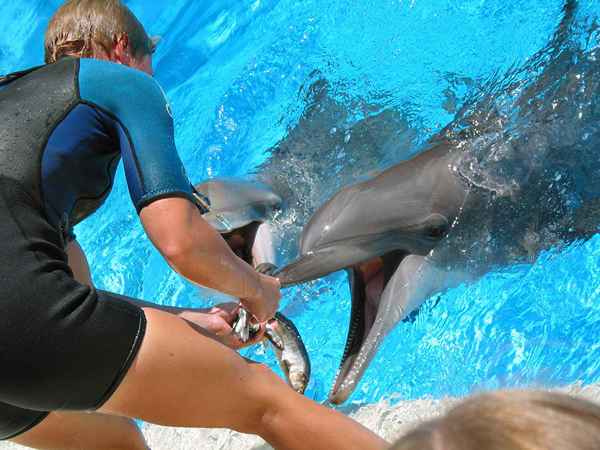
(63, 346)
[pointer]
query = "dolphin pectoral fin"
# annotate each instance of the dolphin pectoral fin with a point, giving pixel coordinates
(413, 282)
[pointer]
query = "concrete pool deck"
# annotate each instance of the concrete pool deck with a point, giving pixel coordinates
(390, 422)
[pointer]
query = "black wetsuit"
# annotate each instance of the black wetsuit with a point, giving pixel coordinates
(63, 129)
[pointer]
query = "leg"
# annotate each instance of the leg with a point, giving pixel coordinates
(76, 431)
(183, 378)
(78, 263)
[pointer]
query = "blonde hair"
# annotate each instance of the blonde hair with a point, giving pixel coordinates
(511, 420)
(82, 27)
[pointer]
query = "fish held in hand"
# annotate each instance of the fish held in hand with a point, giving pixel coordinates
(290, 351)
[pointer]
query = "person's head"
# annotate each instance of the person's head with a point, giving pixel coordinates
(511, 420)
(102, 29)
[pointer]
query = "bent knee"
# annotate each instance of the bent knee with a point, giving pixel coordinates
(267, 396)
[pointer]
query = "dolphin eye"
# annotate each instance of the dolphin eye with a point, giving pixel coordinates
(437, 231)
(437, 227)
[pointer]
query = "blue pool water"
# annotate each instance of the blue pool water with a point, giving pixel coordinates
(239, 73)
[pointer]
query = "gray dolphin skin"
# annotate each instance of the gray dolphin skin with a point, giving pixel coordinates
(486, 182)
(240, 210)
(235, 203)
(405, 210)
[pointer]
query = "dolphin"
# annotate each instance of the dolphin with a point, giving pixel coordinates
(420, 197)
(437, 219)
(241, 211)
(381, 231)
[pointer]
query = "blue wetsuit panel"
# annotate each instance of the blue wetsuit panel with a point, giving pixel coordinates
(79, 163)
(137, 103)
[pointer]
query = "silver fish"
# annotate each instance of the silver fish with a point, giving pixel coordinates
(287, 344)
(243, 328)
(290, 351)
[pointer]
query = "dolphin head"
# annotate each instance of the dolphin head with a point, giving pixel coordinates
(369, 229)
(235, 203)
(240, 210)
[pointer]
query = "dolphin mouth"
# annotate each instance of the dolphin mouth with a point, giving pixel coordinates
(368, 281)
(241, 241)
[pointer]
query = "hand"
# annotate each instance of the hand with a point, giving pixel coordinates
(218, 321)
(266, 304)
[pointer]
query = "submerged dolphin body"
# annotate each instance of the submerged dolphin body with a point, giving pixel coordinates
(490, 189)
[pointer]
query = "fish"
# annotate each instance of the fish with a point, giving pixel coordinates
(290, 351)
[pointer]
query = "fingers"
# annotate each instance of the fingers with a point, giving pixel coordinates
(228, 311)
(246, 330)
(234, 342)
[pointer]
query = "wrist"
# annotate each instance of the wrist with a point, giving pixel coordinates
(255, 286)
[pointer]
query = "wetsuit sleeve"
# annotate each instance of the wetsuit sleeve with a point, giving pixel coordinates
(137, 103)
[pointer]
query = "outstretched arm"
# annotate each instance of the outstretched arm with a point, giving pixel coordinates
(199, 253)
(160, 189)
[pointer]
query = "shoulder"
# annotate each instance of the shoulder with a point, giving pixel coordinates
(116, 87)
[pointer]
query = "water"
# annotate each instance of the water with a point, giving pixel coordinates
(241, 77)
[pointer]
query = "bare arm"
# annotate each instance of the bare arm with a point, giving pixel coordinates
(182, 378)
(199, 253)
